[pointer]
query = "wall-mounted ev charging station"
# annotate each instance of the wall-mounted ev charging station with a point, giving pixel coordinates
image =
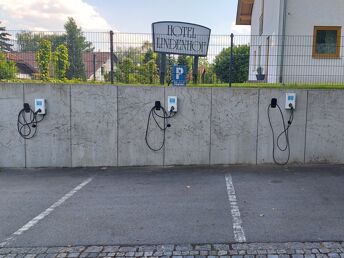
(172, 103)
(159, 112)
(40, 106)
(28, 119)
(290, 104)
(290, 100)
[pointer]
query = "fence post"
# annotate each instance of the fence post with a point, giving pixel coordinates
(111, 56)
(162, 68)
(94, 66)
(195, 69)
(231, 61)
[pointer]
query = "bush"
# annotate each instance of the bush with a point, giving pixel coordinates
(61, 63)
(43, 57)
(8, 69)
(241, 57)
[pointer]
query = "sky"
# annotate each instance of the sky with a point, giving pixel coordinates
(134, 16)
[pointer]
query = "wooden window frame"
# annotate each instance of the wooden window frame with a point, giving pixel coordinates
(327, 56)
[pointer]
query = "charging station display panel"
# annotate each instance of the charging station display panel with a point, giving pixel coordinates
(290, 101)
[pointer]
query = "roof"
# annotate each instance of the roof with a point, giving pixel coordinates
(28, 59)
(244, 12)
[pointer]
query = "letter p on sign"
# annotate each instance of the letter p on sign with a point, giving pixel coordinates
(179, 72)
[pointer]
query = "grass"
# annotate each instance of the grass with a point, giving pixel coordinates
(321, 86)
(276, 85)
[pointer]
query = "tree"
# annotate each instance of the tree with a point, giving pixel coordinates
(43, 57)
(61, 63)
(185, 60)
(146, 46)
(148, 56)
(7, 68)
(134, 53)
(127, 68)
(76, 44)
(170, 61)
(240, 68)
(151, 71)
(206, 72)
(28, 41)
(5, 46)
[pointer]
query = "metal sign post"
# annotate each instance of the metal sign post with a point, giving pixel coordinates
(195, 69)
(162, 68)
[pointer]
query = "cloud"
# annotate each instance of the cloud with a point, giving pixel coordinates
(48, 15)
(240, 29)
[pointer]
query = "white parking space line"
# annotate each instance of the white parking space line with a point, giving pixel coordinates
(45, 213)
(238, 230)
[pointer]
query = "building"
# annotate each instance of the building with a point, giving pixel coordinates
(295, 41)
(96, 63)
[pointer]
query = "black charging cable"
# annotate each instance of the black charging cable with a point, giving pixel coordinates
(285, 132)
(153, 113)
(27, 122)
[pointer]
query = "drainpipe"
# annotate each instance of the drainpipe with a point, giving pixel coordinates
(284, 20)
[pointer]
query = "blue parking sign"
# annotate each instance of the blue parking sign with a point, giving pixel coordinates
(179, 73)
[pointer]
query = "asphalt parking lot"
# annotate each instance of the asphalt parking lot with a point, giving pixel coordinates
(135, 206)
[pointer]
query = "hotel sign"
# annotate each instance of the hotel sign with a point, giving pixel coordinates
(180, 38)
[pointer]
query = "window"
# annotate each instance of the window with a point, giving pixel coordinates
(326, 42)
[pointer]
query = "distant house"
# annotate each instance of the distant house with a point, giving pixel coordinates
(295, 41)
(102, 63)
(98, 63)
(26, 64)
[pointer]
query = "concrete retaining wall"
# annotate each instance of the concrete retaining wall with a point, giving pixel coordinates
(105, 126)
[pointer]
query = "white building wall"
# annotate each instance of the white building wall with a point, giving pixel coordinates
(23, 76)
(255, 42)
(299, 65)
(99, 76)
(260, 44)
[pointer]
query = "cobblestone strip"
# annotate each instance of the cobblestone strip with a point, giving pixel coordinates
(240, 250)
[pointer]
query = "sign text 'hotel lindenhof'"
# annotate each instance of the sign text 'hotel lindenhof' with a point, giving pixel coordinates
(180, 38)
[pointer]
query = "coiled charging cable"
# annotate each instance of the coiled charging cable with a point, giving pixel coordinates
(27, 122)
(285, 132)
(155, 115)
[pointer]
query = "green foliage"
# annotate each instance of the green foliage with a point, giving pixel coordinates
(5, 46)
(148, 56)
(170, 61)
(8, 69)
(185, 60)
(134, 53)
(61, 63)
(151, 72)
(137, 65)
(43, 58)
(127, 68)
(241, 55)
(206, 72)
(28, 41)
(76, 44)
(73, 39)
